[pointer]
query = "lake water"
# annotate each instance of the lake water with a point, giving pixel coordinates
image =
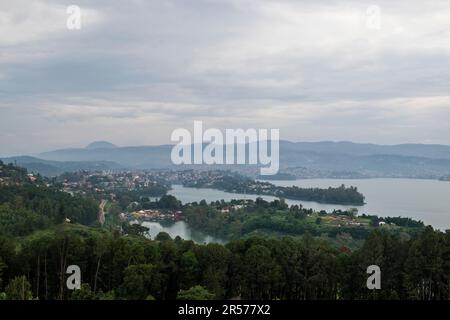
(181, 229)
(426, 200)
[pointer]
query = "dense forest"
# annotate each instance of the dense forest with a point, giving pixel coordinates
(117, 266)
(43, 231)
(24, 209)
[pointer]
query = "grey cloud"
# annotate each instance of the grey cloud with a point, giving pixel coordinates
(234, 63)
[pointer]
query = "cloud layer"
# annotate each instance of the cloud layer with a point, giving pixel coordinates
(139, 69)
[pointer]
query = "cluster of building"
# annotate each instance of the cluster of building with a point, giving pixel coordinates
(234, 207)
(154, 215)
(343, 220)
(31, 177)
(6, 180)
(107, 181)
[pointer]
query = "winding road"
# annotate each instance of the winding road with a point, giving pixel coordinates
(101, 213)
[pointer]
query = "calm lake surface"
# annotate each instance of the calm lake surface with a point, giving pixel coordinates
(181, 229)
(426, 200)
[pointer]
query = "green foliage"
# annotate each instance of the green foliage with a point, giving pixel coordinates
(427, 268)
(18, 289)
(11, 175)
(84, 293)
(195, 293)
(213, 262)
(135, 229)
(259, 272)
(273, 218)
(2, 267)
(20, 221)
(46, 205)
(169, 202)
(232, 182)
(124, 198)
(123, 264)
(163, 236)
(129, 267)
(188, 270)
(339, 195)
(140, 281)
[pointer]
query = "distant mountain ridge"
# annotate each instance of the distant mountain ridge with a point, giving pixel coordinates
(325, 157)
(434, 151)
(101, 145)
(141, 157)
(52, 168)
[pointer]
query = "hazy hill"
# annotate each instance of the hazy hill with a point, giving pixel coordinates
(434, 151)
(144, 157)
(51, 168)
(326, 159)
(101, 145)
(382, 165)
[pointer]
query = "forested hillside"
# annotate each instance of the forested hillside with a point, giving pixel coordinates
(133, 267)
(43, 231)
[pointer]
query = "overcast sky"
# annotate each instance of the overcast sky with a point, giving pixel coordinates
(137, 70)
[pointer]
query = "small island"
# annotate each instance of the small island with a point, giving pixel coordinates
(236, 183)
